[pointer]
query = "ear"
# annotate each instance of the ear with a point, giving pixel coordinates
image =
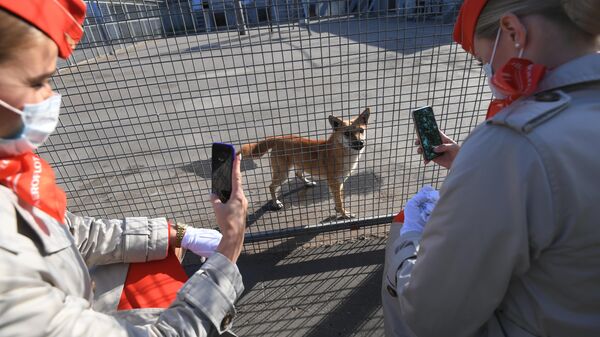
(335, 122)
(513, 27)
(363, 118)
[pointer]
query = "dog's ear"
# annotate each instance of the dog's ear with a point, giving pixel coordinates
(335, 122)
(363, 118)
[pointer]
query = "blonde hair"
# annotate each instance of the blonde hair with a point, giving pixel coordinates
(15, 34)
(579, 16)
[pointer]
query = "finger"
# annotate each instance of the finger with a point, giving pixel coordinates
(417, 141)
(427, 188)
(419, 197)
(446, 139)
(420, 150)
(441, 148)
(236, 175)
(214, 200)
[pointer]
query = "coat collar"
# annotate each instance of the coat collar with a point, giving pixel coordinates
(580, 70)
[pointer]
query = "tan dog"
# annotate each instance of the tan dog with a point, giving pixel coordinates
(332, 159)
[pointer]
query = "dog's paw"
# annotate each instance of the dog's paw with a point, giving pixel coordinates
(309, 183)
(347, 216)
(276, 205)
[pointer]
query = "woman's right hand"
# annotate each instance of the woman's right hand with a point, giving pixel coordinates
(231, 216)
(448, 149)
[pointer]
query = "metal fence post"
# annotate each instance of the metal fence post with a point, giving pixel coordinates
(239, 16)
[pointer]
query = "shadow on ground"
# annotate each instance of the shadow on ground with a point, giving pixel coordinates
(293, 193)
(326, 291)
(381, 31)
(202, 168)
(391, 33)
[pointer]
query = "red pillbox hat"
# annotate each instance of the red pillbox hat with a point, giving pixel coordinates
(466, 23)
(61, 20)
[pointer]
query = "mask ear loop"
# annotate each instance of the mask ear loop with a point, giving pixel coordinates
(495, 46)
(522, 51)
(11, 108)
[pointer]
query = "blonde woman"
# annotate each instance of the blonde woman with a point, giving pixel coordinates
(45, 251)
(512, 247)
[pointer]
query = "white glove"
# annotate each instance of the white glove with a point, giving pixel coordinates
(201, 241)
(418, 209)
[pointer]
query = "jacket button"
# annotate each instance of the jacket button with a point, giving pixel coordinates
(547, 97)
(392, 291)
(226, 322)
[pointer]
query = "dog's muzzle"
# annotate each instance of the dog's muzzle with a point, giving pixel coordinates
(358, 145)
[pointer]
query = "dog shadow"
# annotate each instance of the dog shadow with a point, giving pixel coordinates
(203, 168)
(294, 193)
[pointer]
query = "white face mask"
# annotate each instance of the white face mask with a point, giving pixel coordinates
(489, 71)
(39, 121)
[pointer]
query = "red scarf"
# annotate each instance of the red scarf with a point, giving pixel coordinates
(148, 285)
(32, 179)
(517, 78)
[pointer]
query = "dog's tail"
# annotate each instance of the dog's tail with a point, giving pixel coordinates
(256, 150)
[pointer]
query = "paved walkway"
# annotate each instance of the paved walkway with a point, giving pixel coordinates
(318, 292)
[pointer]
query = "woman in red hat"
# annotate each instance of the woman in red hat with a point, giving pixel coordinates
(45, 251)
(512, 247)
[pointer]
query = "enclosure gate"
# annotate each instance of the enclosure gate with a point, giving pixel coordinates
(154, 83)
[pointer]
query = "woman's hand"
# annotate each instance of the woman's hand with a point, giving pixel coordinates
(201, 241)
(231, 216)
(418, 209)
(448, 150)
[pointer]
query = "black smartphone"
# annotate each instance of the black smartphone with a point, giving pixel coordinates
(427, 131)
(222, 166)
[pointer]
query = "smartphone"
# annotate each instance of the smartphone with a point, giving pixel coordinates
(427, 131)
(222, 166)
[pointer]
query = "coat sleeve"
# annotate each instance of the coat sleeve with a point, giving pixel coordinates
(30, 304)
(478, 237)
(134, 239)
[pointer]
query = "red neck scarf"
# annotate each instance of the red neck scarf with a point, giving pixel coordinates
(517, 78)
(32, 179)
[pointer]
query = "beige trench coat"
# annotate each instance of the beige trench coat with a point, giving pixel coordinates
(46, 290)
(513, 245)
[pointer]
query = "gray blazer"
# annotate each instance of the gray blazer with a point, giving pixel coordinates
(46, 290)
(513, 246)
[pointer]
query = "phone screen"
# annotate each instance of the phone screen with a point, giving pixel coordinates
(222, 164)
(428, 131)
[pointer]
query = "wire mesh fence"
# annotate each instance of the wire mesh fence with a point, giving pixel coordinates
(155, 83)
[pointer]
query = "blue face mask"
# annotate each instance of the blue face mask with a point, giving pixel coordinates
(39, 121)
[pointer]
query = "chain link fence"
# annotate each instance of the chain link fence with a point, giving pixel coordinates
(155, 83)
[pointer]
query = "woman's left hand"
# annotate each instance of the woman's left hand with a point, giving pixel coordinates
(201, 241)
(418, 209)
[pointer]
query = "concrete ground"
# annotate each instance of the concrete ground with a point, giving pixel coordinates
(328, 291)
